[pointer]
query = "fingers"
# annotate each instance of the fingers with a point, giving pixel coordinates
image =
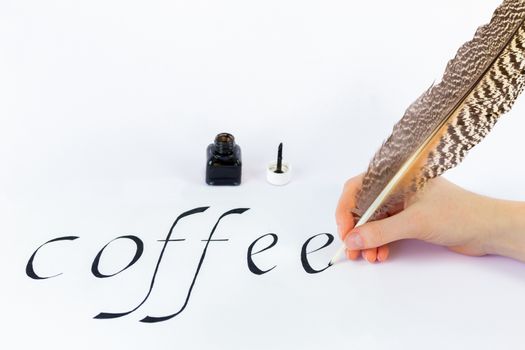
(382, 253)
(379, 254)
(370, 254)
(352, 254)
(405, 224)
(343, 214)
(345, 223)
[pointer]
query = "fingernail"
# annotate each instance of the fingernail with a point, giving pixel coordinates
(354, 240)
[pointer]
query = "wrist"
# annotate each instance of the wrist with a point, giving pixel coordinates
(506, 234)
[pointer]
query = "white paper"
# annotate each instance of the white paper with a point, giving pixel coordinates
(107, 108)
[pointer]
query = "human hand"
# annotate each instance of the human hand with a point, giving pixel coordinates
(443, 214)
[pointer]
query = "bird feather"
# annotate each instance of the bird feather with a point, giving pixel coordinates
(479, 85)
(437, 130)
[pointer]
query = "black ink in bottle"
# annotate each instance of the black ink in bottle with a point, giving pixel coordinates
(224, 164)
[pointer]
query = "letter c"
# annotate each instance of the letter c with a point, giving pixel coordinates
(30, 271)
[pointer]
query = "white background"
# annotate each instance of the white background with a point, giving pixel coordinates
(106, 109)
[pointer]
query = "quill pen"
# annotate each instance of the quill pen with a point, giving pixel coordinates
(437, 130)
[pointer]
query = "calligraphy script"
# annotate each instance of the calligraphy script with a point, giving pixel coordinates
(139, 248)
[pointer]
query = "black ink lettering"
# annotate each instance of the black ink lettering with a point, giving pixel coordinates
(30, 271)
(107, 315)
(138, 253)
(152, 319)
(304, 260)
(251, 265)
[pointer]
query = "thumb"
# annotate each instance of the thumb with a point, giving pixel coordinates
(404, 224)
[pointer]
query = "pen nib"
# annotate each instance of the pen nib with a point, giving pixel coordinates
(279, 169)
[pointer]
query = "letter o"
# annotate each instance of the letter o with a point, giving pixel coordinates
(138, 253)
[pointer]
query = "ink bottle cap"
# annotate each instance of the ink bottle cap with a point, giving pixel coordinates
(279, 179)
(223, 161)
(279, 173)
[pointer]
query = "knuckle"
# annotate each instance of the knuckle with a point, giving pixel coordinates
(377, 233)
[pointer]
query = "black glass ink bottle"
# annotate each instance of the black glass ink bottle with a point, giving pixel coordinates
(224, 164)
